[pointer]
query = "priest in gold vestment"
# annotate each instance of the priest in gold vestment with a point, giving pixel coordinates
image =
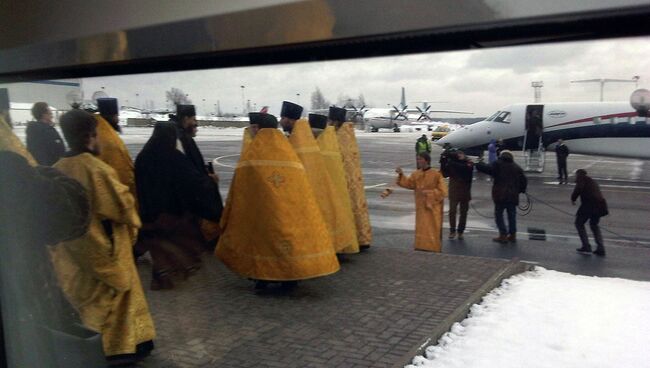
(273, 229)
(430, 192)
(307, 149)
(330, 150)
(97, 271)
(353, 174)
(111, 147)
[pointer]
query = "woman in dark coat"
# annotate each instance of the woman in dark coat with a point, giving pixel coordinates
(173, 197)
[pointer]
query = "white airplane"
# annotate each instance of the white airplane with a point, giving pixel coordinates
(396, 116)
(593, 128)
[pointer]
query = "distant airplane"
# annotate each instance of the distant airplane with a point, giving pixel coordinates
(593, 128)
(396, 116)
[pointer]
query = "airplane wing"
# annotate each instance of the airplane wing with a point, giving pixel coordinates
(451, 112)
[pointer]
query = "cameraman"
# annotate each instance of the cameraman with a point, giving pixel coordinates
(509, 181)
(459, 169)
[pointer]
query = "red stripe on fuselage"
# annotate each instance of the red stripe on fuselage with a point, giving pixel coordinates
(621, 115)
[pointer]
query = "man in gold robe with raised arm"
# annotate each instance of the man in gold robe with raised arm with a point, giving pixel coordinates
(430, 191)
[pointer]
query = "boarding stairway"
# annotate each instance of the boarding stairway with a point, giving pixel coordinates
(534, 158)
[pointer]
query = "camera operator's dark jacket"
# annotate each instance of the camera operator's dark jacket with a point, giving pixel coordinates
(460, 173)
(509, 179)
(592, 202)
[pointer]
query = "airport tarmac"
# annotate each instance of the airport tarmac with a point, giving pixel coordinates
(624, 182)
(390, 301)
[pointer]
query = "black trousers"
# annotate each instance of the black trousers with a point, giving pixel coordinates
(464, 206)
(561, 170)
(593, 224)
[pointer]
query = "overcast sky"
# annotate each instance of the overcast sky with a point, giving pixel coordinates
(481, 81)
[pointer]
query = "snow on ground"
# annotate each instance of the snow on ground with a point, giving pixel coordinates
(131, 135)
(546, 318)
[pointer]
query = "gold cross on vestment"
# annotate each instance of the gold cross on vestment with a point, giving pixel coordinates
(276, 179)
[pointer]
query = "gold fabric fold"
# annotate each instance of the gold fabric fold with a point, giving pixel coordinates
(9, 142)
(354, 177)
(305, 145)
(430, 191)
(113, 151)
(346, 228)
(247, 138)
(96, 272)
(272, 228)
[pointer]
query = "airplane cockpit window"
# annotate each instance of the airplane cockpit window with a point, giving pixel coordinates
(503, 117)
(493, 116)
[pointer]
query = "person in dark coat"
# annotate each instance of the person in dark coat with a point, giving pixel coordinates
(172, 195)
(561, 153)
(509, 181)
(186, 128)
(500, 146)
(593, 206)
(43, 141)
(460, 171)
(39, 206)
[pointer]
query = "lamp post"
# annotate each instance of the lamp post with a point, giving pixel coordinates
(602, 82)
(298, 100)
(243, 100)
(537, 86)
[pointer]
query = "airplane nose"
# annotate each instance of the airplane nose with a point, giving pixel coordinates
(441, 142)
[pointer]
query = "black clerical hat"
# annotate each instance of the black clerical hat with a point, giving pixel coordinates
(318, 121)
(337, 113)
(264, 120)
(107, 106)
(185, 110)
(291, 110)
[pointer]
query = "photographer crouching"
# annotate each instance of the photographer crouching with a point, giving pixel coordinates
(460, 170)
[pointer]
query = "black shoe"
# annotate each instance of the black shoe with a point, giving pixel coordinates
(288, 285)
(584, 250)
(143, 350)
(122, 360)
(363, 248)
(261, 284)
(600, 252)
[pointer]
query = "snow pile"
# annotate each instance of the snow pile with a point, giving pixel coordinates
(546, 318)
